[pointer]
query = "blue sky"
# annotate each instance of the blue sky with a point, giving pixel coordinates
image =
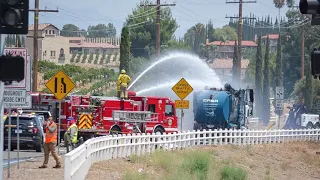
(187, 12)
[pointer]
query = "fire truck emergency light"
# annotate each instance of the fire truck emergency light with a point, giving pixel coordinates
(11, 68)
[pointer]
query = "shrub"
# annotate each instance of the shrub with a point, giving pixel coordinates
(90, 58)
(74, 54)
(233, 173)
(84, 58)
(197, 163)
(78, 57)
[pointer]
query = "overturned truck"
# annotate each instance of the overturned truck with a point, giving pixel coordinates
(222, 108)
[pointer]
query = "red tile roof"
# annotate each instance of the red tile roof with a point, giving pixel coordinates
(94, 45)
(227, 64)
(231, 43)
(271, 36)
(41, 26)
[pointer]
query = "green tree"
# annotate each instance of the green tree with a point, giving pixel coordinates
(102, 30)
(279, 75)
(196, 36)
(70, 30)
(142, 27)
(210, 31)
(125, 49)
(266, 84)
(225, 33)
(309, 85)
(258, 78)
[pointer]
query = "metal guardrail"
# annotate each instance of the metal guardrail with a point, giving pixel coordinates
(78, 161)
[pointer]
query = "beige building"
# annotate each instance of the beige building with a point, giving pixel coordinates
(225, 49)
(273, 41)
(223, 68)
(65, 50)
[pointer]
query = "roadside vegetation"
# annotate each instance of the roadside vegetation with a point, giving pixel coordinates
(185, 165)
(98, 78)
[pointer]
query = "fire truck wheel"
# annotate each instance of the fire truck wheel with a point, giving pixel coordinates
(159, 130)
(115, 130)
(317, 126)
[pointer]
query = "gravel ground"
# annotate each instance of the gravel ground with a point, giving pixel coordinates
(30, 170)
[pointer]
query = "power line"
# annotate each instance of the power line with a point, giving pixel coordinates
(36, 11)
(158, 5)
(237, 75)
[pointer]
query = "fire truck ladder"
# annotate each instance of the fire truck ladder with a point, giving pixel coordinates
(136, 118)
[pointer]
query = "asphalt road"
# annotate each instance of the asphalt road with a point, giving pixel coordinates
(24, 155)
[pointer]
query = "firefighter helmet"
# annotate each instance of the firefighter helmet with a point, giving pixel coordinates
(123, 71)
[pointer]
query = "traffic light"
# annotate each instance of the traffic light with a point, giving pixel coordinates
(14, 17)
(12, 68)
(315, 63)
(309, 6)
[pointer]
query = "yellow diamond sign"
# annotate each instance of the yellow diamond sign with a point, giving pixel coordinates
(60, 85)
(182, 89)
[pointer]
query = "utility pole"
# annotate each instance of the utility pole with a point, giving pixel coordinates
(240, 2)
(302, 48)
(35, 43)
(158, 41)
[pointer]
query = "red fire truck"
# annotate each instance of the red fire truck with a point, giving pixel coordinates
(97, 115)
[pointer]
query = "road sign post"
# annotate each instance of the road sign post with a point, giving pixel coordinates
(182, 90)
(18, 140)
(279, 102)
(60, 85)
(9, 141)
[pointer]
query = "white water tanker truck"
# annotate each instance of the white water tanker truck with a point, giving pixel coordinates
(222, 108)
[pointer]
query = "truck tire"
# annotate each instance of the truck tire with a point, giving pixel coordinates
(159, 130)
(309, 125)
(317, 125)
(39, 148)
(115, 130)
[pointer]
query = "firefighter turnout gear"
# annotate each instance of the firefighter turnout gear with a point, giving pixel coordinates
(123, 82)
(71, 135)
(50, 144)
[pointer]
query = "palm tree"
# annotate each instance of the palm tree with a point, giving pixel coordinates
(280, 3)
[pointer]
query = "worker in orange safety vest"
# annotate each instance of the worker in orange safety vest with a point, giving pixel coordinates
(50, 143)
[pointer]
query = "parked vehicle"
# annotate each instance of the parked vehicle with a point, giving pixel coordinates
(30, 132)
(298, 118)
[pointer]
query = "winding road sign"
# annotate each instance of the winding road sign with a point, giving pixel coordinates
(182, 88)
(60, 85)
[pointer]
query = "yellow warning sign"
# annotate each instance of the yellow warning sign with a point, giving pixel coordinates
(182, 104)
(182, 89)
(60, 85)
(85, 121)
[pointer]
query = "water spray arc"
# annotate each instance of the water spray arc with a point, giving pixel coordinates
(185, 59)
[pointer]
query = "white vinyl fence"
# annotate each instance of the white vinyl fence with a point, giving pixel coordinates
(78, 161)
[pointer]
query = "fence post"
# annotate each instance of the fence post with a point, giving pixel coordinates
(67, 167)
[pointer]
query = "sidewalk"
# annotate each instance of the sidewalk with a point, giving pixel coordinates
(29, 170)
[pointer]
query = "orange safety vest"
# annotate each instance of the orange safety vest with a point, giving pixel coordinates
(51, 137)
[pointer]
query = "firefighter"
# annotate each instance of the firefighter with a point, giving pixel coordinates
(50, 143)
(123, 82)
(71, 135)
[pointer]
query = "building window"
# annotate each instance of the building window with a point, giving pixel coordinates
(53, 53)
(52, 31)
(46, 31)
